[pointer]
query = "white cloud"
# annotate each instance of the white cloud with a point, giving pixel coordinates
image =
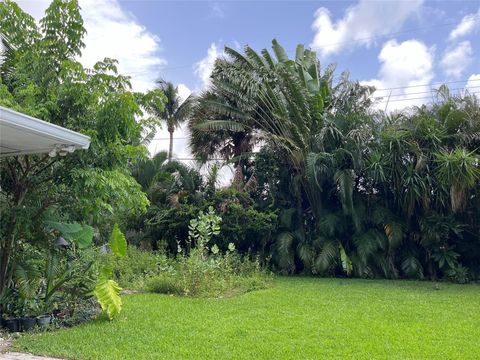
(473, 83)
(407, 67)
(112, 32)
(468, 24)
(217, 10)
(456, 59)
(203, 68)
(183, 91)
(359, 24)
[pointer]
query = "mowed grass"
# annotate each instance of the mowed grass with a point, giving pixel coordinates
(298, 318)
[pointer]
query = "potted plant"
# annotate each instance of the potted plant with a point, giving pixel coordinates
(30, 309)
(44, 320)
(11, 309)
(12, 324)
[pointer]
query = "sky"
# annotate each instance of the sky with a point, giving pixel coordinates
(404, 48)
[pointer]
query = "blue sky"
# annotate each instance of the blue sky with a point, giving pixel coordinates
(188, 29)
(406, 47)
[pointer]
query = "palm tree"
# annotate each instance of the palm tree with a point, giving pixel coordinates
(320, 129)
(162, 180)
(174, 111)
(217, 132)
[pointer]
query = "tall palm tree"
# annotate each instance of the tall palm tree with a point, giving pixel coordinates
(174, 111)
(215, 133)
(321, 130)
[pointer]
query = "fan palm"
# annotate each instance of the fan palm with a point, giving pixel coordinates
(221, 124)
(166, 180)
(321, 129)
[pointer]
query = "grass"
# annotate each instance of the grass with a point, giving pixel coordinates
(298, 318)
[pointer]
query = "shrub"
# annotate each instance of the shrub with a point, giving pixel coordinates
(458, 274)
(250, 229)
(163, 284)
(205, 270)
(211, 276)
(131, 271)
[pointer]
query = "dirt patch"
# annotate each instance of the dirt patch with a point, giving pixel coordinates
(5, 342)
(130, 292)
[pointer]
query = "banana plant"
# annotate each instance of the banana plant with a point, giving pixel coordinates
(107, 291)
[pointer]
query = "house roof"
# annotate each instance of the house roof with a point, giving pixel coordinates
(22, 134)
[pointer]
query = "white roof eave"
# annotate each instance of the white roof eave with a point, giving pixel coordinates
(34, 135)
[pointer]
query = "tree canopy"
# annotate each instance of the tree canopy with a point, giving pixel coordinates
(42, 76)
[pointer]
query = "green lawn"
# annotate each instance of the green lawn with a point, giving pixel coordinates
(299, 318)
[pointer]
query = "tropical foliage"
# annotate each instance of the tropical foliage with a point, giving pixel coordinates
(324, 183)
(43, 197)
(359, 192)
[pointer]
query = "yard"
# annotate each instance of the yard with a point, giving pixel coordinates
(276, 164)
(307, 318)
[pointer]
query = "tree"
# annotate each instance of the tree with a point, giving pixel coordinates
(164, 180)
(315, 126)
(173, 111)
(361, 190)
(45, 80)
(215, 132)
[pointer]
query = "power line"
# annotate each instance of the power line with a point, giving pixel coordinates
(432, 84)
(426, 92)
(417, 98)
(324, 45)
(175, 138)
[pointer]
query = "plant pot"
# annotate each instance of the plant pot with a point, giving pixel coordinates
(43, 320)
(28, 323)
(12, 325)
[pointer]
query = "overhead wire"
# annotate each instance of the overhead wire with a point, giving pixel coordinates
(431, 84)
(427, 92)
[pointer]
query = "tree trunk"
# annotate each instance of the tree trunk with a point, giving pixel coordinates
(8, 244)
(238, 178)
(170, 147)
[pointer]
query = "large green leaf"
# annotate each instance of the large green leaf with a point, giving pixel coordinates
(117, 242)
(107, 293)
(279, 51)
(80, 234)
(84, 237)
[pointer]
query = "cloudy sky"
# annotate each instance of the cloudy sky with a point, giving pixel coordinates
(404, 48)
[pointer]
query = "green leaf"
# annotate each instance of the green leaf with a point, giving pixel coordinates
(81, 235)
(117, 242)
(84, 237)
(279, 51)
(107, 293)
(64, 228)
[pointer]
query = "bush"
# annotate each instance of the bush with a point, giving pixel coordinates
(205, 270)
(131, 271)
(163, 284)
(211, 276)
(458, 274)
(250, 229)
